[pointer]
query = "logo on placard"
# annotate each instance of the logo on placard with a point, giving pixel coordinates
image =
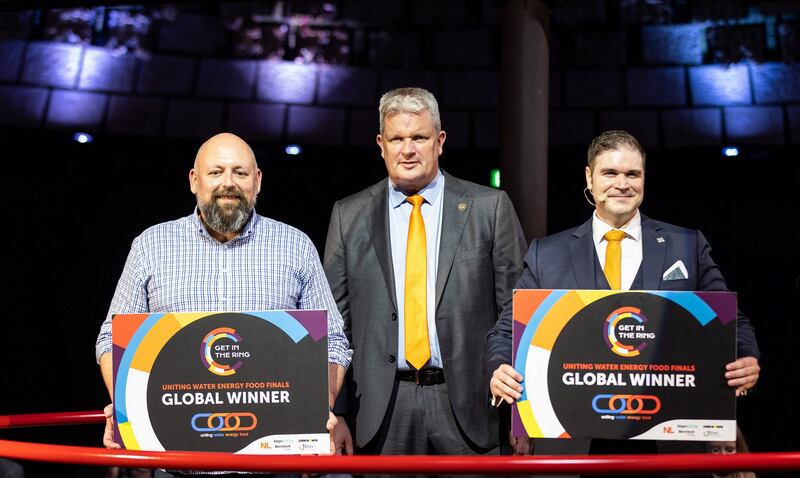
(622, 325)
(219, 346)
(626, 404)
(223, 422)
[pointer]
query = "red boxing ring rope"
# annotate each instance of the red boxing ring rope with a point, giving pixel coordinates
(595, 464)
(50, 419)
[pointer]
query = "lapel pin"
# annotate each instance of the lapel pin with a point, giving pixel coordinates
(659, 239)
(462, 206)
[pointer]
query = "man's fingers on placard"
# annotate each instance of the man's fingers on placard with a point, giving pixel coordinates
(751, 372)
(499, 389)
(746, 380)
(740, 372)
(511, 372)
(507, 380)
(502, 387)
(511, 391)
(743, 383)
(108, 435)
(512, 384)
(741, 367)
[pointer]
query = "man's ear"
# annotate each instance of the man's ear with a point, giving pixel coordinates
(588, 173)
(440, 139)
(193, 181)
(379, 140)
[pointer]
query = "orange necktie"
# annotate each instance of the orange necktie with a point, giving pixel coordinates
(613, 266)
(418, 350)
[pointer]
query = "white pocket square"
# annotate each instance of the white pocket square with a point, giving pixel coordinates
(676, 271)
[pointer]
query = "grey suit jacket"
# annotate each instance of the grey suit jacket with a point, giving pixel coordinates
(480, 260)
(567, 260)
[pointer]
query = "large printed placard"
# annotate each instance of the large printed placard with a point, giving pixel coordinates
(624, 365)
(253, 382)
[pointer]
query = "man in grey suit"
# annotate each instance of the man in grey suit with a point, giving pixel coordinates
(472, 256)
(653, 256)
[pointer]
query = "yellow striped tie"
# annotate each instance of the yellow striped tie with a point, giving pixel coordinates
(418, 350)
(613, 266)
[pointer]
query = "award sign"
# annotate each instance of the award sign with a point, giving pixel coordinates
(254, 382)
(624, 365)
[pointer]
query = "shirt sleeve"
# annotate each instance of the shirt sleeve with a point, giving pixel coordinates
(317, 295)
(130, 297)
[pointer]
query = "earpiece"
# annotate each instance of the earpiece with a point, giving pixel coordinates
(598, 198)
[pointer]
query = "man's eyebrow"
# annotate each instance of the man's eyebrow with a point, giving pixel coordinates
(629, 170)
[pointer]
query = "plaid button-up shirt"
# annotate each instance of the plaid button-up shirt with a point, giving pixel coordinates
(177, 266)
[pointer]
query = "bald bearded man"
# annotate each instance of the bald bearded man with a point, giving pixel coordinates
(266, 265)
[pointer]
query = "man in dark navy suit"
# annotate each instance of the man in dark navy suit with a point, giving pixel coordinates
(650, 255)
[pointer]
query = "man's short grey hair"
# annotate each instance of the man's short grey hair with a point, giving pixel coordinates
(409, 100)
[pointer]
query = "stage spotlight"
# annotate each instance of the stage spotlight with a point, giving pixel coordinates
(730, 151)
(82, 137)
(293, 150)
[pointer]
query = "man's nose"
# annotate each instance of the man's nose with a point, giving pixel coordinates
(227, 180)
(408, 147)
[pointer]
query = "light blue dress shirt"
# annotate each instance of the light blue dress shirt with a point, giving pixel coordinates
(399, 215)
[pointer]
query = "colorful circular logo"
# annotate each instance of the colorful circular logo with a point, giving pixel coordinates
(617, 332)
(210, 351)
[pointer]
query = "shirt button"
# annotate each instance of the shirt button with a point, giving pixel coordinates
(394, 317)
(391, 359)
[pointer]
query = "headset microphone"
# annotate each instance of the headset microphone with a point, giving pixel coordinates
(598, 198)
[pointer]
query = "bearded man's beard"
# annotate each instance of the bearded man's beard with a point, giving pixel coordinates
(227, 217)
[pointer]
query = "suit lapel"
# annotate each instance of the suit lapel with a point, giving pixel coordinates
(654, 250)
(582, 253)
(455, 211)
(377, 219)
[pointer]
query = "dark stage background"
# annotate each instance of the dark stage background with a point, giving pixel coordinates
(73, 209)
